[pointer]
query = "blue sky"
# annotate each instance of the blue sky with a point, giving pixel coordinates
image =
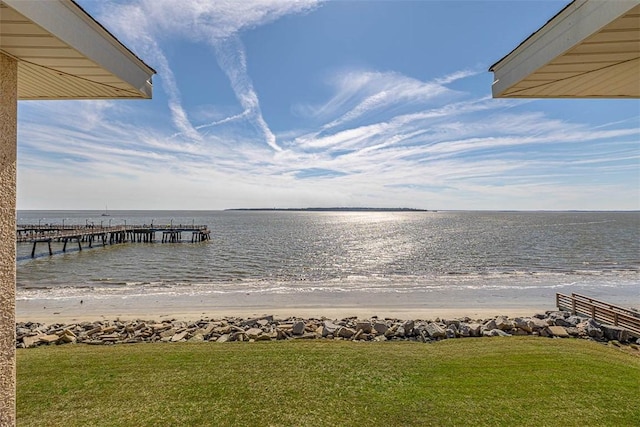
(338, 103)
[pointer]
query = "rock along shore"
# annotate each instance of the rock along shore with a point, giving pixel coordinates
(550, 324)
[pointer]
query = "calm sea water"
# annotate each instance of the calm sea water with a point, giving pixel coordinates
(346, 253)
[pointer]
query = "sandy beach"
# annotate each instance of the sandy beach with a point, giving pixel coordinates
(186, 307)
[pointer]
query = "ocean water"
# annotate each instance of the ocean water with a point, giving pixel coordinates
(329, 257)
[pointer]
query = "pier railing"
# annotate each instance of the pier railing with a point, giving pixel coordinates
(600, 311)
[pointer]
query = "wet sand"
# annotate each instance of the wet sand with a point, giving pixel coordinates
(185, 304)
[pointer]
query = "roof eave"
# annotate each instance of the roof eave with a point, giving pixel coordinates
(577, 21)
(75, 27)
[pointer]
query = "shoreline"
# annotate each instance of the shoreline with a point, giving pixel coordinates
(478, 303)
(195, 308)
(248, 317)
(280, 313)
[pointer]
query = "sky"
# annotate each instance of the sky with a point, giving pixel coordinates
(279, 104)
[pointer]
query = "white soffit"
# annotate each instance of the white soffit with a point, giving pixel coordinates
(590, 49)
(63, 53)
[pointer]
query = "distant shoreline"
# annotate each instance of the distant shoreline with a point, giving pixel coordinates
(334, 209)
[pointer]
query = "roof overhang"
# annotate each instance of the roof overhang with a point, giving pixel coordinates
(63, 53)
(590, 49)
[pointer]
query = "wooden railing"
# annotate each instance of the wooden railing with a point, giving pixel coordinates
(600, 311)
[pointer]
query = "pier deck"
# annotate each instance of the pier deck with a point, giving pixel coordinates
(90, 234)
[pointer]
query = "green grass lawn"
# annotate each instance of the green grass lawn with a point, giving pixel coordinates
(467, 382)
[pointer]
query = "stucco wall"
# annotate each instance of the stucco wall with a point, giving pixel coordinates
(8, 126)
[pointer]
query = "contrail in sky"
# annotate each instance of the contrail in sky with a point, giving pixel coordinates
(231, 57)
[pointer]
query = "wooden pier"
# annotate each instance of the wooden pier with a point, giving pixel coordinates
(600, 311)
(90, 234)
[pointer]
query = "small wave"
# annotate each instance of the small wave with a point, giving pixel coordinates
(515, 280)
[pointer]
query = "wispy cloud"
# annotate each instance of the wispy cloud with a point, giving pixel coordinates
(359, 92)
(457, 75)
(215, 23)
(232, 59)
